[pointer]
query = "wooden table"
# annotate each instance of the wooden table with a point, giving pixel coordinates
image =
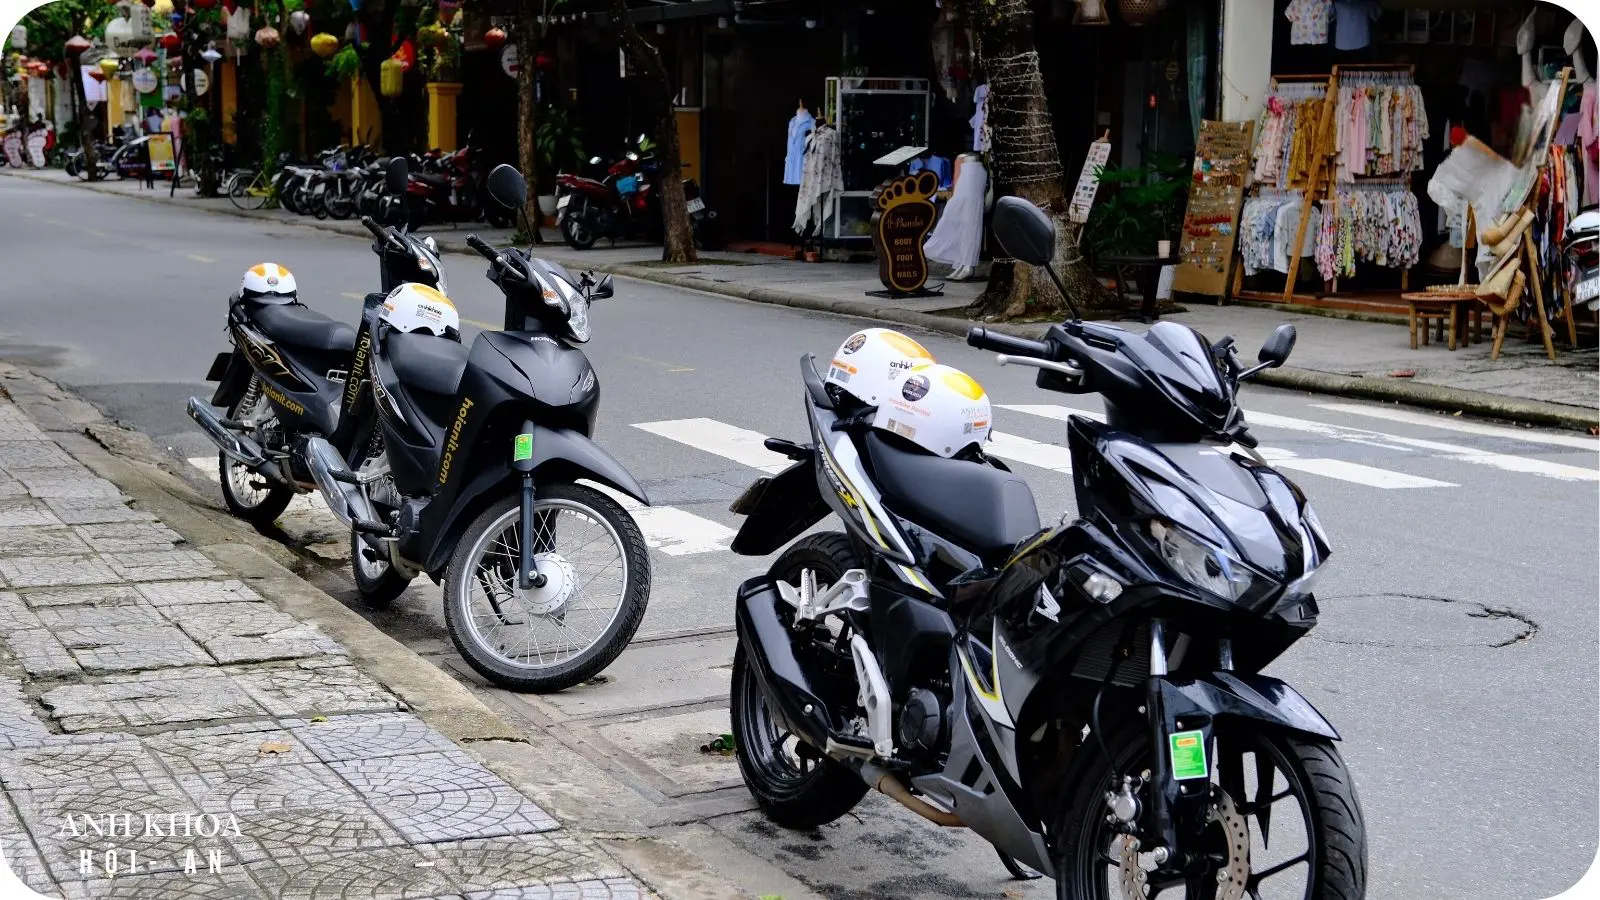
(1146, 269)
(1438, 306)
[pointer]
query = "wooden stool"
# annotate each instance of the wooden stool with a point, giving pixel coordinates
(1435, 307)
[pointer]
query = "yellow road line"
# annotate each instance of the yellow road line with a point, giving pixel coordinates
(198, 258)
(352, 296)
(672, 368)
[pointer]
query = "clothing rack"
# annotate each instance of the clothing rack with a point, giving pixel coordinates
(1321, 183)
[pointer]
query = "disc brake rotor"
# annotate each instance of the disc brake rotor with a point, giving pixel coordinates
(1232, 878)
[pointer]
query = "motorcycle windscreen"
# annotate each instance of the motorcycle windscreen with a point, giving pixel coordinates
(1178, 360)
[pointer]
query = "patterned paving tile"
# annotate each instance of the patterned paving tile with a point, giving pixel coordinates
(227, 749)
(397, 873)
(313, 687)
(40, 540)
(54, 571)
(93, 510)
(161, 565)
(165, 697)
(98, 607)
(463, 814)
(56, 484)
(78, 762)
(123, 537)
(285, 835)
(593, 889)
(418, 773)
(492, 864)
(14, 613)
(177, 593)
(19, 725)
(102, 597)
(11, 489)
(18, 455)
(40, 652)
(230, 883)
(20, 854)
(20, 511)
(268, 788)
(129, 648)
(66, 821)
(250, 632)
(370, 736)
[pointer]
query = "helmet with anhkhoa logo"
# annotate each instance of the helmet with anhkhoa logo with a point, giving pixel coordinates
(418, 307)
(937, 407)
(268, 283)
(869, 364)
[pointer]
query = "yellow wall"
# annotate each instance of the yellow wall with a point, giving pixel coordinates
(366, 125)
(228, 84)
(442, 115)
(342, 112)
(689, 143)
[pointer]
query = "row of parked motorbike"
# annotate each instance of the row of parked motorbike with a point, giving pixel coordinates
(342, 182)
(1086, 696)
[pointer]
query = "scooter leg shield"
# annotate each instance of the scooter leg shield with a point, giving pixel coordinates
(768, 647)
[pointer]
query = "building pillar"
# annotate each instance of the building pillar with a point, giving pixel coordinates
(366, 124)
(228, 85)
(1246, 58)
(442, 115)
(118, 91)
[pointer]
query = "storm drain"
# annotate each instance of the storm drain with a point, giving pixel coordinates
(1419, 621)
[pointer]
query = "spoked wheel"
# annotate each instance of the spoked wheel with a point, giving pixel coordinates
(597, 584)
(577, 234)
(1284, 823)
(795, 784)
(250, 495)
(249, 192)
(339, 203)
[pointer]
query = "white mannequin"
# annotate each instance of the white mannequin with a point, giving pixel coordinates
(1572, 42)
(1526, 34)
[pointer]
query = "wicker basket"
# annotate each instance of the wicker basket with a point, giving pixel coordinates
(1140, 12)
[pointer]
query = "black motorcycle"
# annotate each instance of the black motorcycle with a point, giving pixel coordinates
(295, 373)
(545, 579)
(1088, 697)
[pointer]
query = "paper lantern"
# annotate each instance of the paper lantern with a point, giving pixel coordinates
(407, 54)
(494, 38)
(324, 45)
(145, 55)
(448, 10)
(19, 37)
(298, 20)
(544, 61)
(210, 55)
(97, 75)
(77, 44)
(170, 41)
(391, 77)
(109, 65)
(268, 37)
(239, 25)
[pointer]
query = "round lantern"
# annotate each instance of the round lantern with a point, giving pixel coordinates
(268, 37)
(97, 74)
(145, 55)
(494, 38)
(1140, 12)
(544, 61)
(19, 37)
(170, 41)
(77, 44)
(298, 20)
(391, 77)
(324, 45)
(432, 35)
(448, 10)
(211, 55)
(108, 65)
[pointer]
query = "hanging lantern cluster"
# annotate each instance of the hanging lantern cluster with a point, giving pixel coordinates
(324, 45)
(268, 37)
(107, 66)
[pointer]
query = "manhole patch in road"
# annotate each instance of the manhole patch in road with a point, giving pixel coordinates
(1419, 621)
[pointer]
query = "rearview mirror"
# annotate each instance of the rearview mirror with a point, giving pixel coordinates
(603, 290)
(507, 186)
(1277, 347)
(396, 175)
(1024, 231)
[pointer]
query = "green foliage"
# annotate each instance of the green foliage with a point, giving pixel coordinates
(1137, 207)
(345, 64)
(559, 140)
(50, 25)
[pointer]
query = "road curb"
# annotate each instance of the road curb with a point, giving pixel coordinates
(1427, 396)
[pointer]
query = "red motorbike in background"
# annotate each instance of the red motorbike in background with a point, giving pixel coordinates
(624, 204)
(451, 188)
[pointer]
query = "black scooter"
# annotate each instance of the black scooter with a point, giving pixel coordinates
(1087, 697)
(545, 579)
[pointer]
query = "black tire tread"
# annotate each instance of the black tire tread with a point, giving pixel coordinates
(264, 514)
(379, 594)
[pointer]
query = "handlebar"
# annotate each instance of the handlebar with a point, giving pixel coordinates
(484, 250)
(378, 231)
(984, 339)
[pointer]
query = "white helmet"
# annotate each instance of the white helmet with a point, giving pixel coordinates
(268, 283)
(872, 361)
(417, 307)
(939, 408)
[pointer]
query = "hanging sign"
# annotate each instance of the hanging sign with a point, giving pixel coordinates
(508, 60)
(202, 82)
(13, 147)
(145, 81)
(902, 216)
(1211, 220)
(160, 147)
(1089, 180)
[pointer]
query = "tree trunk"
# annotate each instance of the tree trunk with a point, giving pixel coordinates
(526, 35)
(85, 120)
(677, 245)
(1026, 164)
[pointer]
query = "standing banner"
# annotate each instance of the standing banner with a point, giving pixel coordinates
(1089, 180)
(161, 158)
(13, 148)
(1211, 220)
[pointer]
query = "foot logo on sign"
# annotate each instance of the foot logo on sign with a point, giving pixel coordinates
(902, 218)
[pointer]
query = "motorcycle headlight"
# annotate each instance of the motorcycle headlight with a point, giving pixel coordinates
(1203, 564)
(578, 318)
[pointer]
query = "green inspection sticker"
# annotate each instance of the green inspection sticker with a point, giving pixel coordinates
(1188, 755)
(523, 448)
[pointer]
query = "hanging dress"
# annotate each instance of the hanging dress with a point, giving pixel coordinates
(957, 236)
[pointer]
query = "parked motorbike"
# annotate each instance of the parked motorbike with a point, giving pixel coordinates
(483, 448)
(73, 162)
(294, 373)
(1087, 697)
(453, 190)
(624, 203)
(1581, 252)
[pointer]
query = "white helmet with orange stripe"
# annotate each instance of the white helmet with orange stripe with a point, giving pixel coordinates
(869, 364)
(268, 283)
(417, 307)
(939, 408)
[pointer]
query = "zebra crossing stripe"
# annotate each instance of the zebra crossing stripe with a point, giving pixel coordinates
(1033, 453)
(741, 445)
(1443, 423)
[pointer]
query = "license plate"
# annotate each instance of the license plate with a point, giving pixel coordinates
(565, 200)
(696, 205)
(1589, 288)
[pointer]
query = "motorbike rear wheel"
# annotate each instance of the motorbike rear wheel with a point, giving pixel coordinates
(578, 235)
(1257, 770)
(794, 783)
(249, 495)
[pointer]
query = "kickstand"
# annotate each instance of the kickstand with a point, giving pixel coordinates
(1018, 871)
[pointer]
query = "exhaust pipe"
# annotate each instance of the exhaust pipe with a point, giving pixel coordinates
(239, 448)
(338, 484)
(890, 785)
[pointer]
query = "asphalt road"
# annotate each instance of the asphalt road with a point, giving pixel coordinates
(1457, 652)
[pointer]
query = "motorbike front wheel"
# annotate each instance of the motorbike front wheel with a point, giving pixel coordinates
(549, 638)
(794, 783)
(577, 233)
(1285, 822)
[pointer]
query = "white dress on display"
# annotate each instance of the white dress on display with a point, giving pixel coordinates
(957, 237)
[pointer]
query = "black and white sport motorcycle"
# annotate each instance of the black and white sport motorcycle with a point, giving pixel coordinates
(1086, 697)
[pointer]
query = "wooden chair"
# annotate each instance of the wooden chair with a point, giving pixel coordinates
(1438, 308)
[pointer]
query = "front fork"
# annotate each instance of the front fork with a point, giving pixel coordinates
(528, 575)
(1180, 789)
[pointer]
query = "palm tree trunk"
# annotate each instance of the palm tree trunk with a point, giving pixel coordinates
(526, 35)
(1026, 164)
(677, 244)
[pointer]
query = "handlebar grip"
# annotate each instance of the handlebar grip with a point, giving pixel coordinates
(984, 339)
(378, 231)
(484, 250)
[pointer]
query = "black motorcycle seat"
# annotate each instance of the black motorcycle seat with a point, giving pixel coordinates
(430, 178)
(978, 506)
(298, 326)
(426, 363)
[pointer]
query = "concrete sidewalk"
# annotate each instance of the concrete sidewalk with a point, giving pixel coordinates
(184, 723)
(1343, 356)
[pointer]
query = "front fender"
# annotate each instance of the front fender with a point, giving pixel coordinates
(1223, 695)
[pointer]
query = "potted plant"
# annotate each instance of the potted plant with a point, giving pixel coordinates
(559, 142)
(1138, 207)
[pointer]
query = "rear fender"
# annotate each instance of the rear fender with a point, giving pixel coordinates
(778, 509)
(232, 372)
